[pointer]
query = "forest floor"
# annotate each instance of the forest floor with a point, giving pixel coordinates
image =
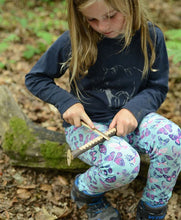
(38, 194)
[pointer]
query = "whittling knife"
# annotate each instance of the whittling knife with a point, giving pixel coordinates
(96, 131)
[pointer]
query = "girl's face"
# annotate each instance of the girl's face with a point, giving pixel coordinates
(104, 19)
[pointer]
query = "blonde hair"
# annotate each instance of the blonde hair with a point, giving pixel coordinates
(84, 39)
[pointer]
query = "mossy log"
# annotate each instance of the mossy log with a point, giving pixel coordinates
(30, 145)
(33, 146)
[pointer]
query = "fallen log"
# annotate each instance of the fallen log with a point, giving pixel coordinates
(29, 145)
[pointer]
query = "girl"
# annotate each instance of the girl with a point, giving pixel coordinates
(119, 77)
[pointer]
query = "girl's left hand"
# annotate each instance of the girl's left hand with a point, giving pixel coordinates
(124, 121)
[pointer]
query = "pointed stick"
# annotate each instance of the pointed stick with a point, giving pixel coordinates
(72, 155)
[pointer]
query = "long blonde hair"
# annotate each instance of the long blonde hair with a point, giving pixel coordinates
(84, 39)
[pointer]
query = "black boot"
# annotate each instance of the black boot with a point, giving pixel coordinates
(98, 207)
(146, 212)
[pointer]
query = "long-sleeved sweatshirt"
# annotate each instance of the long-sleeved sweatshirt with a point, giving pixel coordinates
(112, 83)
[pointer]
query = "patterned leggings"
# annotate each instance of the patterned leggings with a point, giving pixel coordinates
(117, 162)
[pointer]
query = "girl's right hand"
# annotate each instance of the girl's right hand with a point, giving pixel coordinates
(75, 114)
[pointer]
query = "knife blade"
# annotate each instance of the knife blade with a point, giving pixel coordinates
(96, 131)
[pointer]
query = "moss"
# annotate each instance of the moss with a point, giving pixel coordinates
(51, 149)
(18, 137)
(55, 156)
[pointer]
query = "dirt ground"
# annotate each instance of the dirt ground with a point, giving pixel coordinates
(38, 194)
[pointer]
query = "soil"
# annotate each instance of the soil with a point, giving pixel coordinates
(38, 194)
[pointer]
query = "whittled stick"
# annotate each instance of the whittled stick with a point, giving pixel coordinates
(72, 155)
(92, 143)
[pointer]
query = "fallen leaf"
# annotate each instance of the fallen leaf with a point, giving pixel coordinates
(43, 214)
(61, 212)
(14, 200)
(19, 178)
(45, 187)
(23, 194)
(7, 215)
(61, 181)
(33, 186)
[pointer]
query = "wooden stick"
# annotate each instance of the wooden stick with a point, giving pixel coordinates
(72, 155)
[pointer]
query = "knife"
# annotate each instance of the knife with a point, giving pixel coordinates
(96, 131)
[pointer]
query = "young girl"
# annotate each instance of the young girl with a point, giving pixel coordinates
(119, 77)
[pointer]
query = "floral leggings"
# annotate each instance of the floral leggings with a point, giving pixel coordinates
(116, 162)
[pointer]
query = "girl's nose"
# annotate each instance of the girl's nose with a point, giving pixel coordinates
(103, 26)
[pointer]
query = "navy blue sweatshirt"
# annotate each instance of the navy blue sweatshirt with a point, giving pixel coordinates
(112, 83)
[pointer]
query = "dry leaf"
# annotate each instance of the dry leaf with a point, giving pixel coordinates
(43, 214)
(61, 212)
(14, 200)
(45, 187)
(7, 215)
(23, 194)
(62, 181)
(32, 186)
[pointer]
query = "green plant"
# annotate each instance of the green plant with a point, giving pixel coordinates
(6, 42)
(23, 22)
(30, 51)
(47, 37)
(173, 42)
(2, 2)
(11, 38)
(3, 46)
(2, 65)
(42, 27)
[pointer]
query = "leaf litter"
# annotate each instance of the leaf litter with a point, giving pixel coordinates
(38, 194)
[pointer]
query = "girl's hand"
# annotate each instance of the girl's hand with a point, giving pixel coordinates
(124, 121)
(75, 114)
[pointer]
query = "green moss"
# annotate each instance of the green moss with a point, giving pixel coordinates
(51, 149)
(18, 137)
(55, 156)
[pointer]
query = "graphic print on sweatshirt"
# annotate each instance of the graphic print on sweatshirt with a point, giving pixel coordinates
(120, 76)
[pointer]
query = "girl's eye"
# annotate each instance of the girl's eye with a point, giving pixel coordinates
(91, 19)
(111, 16)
